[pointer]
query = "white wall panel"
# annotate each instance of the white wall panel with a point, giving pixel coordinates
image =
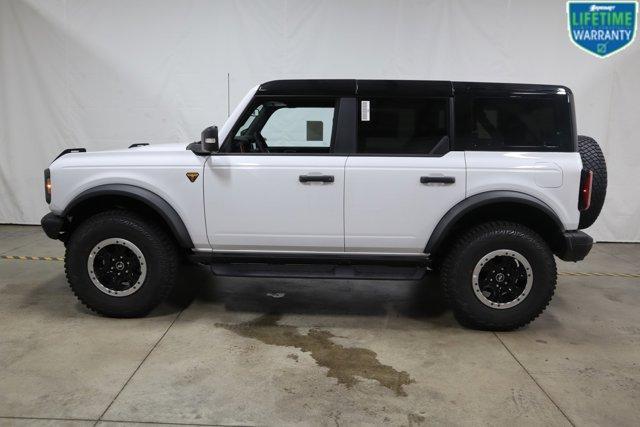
(104, 74)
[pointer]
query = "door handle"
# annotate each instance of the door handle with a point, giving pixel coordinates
(316, 178)
(437, 179)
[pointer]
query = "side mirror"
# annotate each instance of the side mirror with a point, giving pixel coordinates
(209, 139)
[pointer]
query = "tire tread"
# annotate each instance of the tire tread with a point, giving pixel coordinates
(152, 230)
(489, 230)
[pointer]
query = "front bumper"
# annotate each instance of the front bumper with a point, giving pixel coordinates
(575, 246)
(53, 226)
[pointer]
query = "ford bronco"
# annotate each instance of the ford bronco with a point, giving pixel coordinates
(481, 183)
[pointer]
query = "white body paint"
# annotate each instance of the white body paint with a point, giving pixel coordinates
(554, 178)
(256, 202)
(388, 209)
(376, 204)
(159, 169)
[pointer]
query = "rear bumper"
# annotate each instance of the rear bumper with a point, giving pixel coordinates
(575, 246)
(53, 225)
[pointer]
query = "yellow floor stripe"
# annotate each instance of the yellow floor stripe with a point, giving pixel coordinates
(561, 273)
(32, 258)
(598, 274)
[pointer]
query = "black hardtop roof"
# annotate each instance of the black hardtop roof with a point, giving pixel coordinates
(409, 88)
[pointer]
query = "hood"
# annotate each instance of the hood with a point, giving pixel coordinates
(147, 148)
(146, 155)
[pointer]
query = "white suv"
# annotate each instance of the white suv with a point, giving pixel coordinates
(347, 179)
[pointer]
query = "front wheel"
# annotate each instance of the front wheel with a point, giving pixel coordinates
(119, 264)
(499, 276)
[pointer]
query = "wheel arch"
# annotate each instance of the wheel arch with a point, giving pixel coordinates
(497, 205)
(108, 196)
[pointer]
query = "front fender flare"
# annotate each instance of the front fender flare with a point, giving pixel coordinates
(149, 198)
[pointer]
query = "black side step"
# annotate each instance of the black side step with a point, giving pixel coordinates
(309, 258)
(320, 271)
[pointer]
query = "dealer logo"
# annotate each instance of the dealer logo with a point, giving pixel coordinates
(602, 28)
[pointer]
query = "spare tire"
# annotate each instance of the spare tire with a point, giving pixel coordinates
(593, 159)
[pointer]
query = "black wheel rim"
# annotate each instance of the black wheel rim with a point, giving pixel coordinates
(117, 267)
(502, 279)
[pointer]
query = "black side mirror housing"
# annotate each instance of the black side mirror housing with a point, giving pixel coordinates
(208, 143)
(209, 139)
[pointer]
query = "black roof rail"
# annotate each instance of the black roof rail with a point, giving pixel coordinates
(402, 88)
(138, 144)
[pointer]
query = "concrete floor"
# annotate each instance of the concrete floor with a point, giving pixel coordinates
(284, 352)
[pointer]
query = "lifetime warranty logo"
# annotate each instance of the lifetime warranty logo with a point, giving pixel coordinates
(602, 28)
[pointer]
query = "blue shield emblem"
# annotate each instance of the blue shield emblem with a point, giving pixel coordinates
(602, 28)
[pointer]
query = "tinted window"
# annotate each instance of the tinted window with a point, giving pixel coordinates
(403, 126)
(250, 119)
(299, 127)
(526, 124)
(286, 126)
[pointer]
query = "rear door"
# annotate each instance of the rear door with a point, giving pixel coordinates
(403, 177)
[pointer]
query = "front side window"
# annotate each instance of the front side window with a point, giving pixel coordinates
(255, 113)
(403, 126)
(286, 126)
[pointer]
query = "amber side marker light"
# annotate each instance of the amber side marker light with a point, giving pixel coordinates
(586, 186)
(47, 185)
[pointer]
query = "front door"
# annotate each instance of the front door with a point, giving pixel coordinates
(276, 184)
(403, 177)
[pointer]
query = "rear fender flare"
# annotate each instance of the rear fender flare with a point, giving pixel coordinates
(459, 211)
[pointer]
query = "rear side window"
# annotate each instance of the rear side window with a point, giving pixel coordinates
(513, 124)
(403, 126)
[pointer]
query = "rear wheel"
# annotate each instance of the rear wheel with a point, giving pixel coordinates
(119, 264)
(498, 276)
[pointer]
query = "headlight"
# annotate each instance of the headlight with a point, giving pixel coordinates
(47, 185)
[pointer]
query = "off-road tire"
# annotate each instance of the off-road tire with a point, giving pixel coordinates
(593, 159)
(160, 253)
(467, 251)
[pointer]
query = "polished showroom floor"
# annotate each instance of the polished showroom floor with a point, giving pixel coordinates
(229, 351)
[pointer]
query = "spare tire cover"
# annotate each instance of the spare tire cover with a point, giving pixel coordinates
(593, 159)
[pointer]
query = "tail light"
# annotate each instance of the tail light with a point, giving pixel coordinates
(586, 185)
(47, 185)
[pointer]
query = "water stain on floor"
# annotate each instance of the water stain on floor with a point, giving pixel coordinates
(345, 364)
(415, 419)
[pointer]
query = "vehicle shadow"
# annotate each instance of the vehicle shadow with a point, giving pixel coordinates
(198, 287)
(411, 299)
